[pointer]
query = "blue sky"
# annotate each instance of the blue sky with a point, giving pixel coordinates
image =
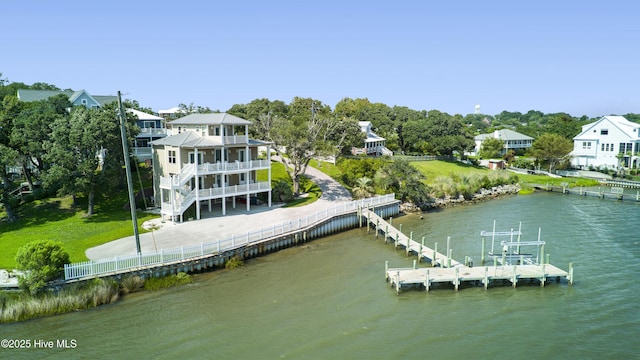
(580, 57)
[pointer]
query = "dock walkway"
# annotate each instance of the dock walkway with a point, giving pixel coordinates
(400, 239)
(446, 270)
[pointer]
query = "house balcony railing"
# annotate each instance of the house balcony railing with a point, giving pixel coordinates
(235, 139)
(209, 168)
(142, 153)
(181, 205)
(188, 171)
(152, 132)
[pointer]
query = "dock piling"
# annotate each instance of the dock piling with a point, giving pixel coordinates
(571, 273)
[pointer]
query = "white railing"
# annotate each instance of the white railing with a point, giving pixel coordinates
(188, 172)
(235, 139)
(232, 166)
(152, 131)
(121, 264)
(141, 151)
(213, 193)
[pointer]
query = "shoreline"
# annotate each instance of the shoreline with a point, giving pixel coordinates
(484, 195)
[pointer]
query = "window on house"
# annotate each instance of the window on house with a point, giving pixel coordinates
(604, 131)
(586, 144)
(172, 156)
(602, 149)
(629, 147)
(192, 158)
(621, 148)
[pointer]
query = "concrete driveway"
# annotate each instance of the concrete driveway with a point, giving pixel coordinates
(214, 226)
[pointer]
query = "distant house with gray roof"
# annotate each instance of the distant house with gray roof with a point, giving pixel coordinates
(513, 140)
(208, 160)
(77, 98)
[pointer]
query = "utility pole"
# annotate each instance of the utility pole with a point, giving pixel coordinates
(127, 165)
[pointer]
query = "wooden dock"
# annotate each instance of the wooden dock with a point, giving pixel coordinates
(446, 270)
(614, 193)
(427, 277)
(390, 233)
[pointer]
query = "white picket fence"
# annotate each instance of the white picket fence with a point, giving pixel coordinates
(122, 264)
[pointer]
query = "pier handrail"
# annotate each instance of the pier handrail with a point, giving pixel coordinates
(120, 264)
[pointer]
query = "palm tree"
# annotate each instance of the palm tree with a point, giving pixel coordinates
(363, 188)
(282, 191)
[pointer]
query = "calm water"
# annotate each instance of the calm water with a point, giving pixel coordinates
(328, 299)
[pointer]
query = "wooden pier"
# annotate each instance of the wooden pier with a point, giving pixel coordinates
(427, 277)
(613, 193)
(446, 270)
(399, 239)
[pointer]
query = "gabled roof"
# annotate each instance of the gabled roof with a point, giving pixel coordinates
(28, 95)
(187, 139)
(619, 122)
(143, 115)
(504, 135)
(211, 119)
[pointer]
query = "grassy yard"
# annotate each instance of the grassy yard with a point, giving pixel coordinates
(57, 219)
(435, 168)
(306, 187)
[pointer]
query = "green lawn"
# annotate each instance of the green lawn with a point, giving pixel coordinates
(327, 168)
(279, 173)
(433, 169)
(56, 219)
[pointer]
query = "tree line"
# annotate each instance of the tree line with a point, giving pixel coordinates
(66, 150)
(62, 145)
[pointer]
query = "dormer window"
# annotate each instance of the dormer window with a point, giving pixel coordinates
(604, 131)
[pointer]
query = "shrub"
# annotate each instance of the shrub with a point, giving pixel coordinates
(282, 191)
(42, 261)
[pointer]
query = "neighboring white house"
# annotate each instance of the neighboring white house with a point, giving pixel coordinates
(373, 144)
(607, 143)
(513, 140)
(170, 114)
(207, 160)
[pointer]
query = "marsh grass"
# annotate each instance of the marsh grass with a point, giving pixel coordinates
(233, 263)
(131, 284)
(168, 281)
(74, 297)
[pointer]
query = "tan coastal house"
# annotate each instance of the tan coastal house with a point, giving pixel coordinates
(208, 160)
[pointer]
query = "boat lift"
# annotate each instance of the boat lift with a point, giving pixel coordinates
(511, 252)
